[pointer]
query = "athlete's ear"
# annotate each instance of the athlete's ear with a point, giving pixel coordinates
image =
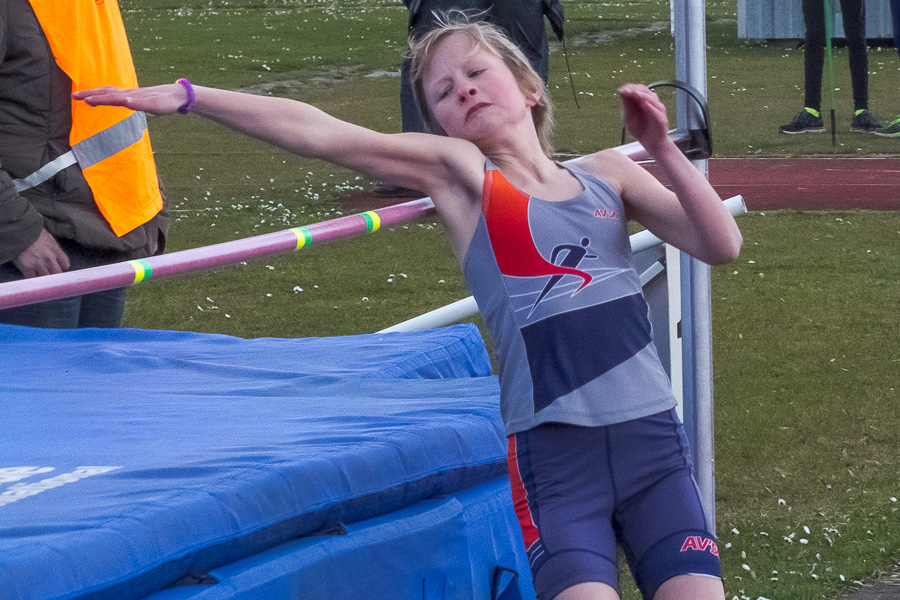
(532, 97)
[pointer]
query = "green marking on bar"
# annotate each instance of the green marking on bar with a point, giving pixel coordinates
(373, 221)
(303, 236)
(143, 271)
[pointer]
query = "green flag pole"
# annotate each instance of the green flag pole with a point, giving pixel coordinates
(830, 67)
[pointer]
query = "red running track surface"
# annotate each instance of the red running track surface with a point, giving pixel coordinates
(809, 183)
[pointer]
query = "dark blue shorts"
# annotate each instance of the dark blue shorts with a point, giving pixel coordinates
(578, 491)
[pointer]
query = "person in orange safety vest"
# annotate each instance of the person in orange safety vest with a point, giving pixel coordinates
(78, 185)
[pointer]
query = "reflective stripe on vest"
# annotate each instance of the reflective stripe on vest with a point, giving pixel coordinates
(90, 151)
(110, 143)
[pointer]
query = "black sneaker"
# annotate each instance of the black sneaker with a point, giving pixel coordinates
(863, 120)
(892, 130)
(807, 120)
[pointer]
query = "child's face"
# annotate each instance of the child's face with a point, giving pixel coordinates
(471, 91)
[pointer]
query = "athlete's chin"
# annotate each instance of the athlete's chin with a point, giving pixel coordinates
(480, 134)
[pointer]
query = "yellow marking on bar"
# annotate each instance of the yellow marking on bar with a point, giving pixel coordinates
(303, 236)
(375, 220)
(142, 270)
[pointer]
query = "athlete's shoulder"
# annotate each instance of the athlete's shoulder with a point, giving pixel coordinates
(606, 163)
(610, 166)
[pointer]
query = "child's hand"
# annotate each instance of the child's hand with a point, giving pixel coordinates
(645, 115)
(159, 99)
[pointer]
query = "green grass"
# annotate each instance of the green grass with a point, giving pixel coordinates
(806, 322)
(807, 380)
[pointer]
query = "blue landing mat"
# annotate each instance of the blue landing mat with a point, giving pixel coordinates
(463, 546)
(133, 458)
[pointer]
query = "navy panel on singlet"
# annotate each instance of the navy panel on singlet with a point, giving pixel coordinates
(582, 343)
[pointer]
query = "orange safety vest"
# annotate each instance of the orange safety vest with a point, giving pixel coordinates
(110, 143)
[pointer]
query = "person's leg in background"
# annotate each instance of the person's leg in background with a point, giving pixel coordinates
(854, 13)
(409, 114)
(895, 17)
(102, 309)
(813, 53)
(809, 119)
(893, 128)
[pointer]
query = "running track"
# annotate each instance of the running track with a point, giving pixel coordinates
(809, 183)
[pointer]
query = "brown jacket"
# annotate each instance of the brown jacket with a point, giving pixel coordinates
(35, 119)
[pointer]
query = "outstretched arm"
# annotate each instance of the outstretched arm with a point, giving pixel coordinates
(412, 160)
(691, 216)
(448, 170)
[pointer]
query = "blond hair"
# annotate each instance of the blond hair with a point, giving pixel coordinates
(491, 38)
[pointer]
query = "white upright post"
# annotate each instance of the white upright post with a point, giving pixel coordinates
(689, 25)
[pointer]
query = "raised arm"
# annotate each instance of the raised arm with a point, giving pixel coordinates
(691, 216)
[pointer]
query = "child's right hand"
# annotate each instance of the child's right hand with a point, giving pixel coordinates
(645, 115)
(160, 99)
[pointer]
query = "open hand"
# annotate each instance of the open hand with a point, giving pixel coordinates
(645, 115)
(160, 99)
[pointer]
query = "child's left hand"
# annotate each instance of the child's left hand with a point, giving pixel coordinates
(645, 115)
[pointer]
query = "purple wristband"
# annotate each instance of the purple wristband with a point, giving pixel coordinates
(191, 98)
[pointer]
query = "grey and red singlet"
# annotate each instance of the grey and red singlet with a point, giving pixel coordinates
(556, 285)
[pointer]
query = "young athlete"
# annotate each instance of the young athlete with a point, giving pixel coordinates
(597, 456)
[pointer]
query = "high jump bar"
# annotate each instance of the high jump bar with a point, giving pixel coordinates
(132, 272)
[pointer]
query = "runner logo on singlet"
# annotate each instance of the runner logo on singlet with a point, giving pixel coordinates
(573, 256)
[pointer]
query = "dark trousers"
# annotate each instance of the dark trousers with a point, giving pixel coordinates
(895, 14)
(100, 309)
(854, 12)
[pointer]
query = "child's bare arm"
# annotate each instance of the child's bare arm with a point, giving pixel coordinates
(448, 170)
(296, 127)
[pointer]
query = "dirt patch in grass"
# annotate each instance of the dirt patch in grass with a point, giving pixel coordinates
(885, 587)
